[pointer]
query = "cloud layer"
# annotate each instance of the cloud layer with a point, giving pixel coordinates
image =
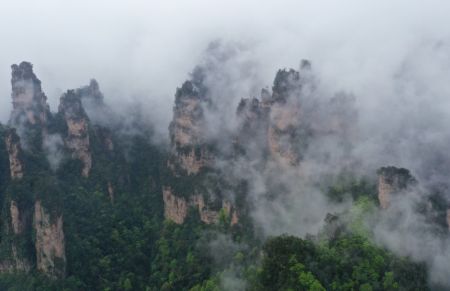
(144, 49)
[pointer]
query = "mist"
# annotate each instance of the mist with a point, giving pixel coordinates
(391, 59)
(143, 50)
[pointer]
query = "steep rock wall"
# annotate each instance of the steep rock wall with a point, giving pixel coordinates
(392, 181)
(14, 149)
(187, 131)
(77, 137)
(29, 102)
(176, 208)
(287, 126)
(50, 243)
(252, 133)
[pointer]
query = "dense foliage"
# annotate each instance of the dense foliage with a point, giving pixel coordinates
(122, 242)
(349, 262)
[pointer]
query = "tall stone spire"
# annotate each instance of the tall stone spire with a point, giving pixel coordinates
(29, 102)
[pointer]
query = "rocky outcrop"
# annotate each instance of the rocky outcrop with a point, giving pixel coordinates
(252, 115)
(14, 149)
(190, 153)
(176, 208)
(29, 102)
(392, 181)
(77, 136)
(93, 103)
(190, 160)
(281, 135)
(50, 243)
(17, 217)
(187, 131)
(298, 116)
(288, 130)
(253, 118)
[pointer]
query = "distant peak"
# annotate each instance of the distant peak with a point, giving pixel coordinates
(23, 71)
(29, 102)
(305, 65)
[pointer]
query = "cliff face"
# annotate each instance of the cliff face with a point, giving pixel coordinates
(16, 217)
(93, 103)
(187, 131)
(29, 102)
(392, 181)
(270, 128)
(14, 149)
(30, 116)
(253, 118)
(281, 135)
(176, 208)
(191, 155)
(50, 243)
(77, 137)
(14, 237)
(288, 128)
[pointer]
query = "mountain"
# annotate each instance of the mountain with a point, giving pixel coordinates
(91, 202)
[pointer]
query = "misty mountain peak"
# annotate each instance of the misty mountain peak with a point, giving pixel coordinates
(70, 104)
(23, 71)
(187, 128)
(29, 102)
(285, 81)
(392, 180)
(290, 83)
(191, 89)
(188, 89)
(77, 122)
(91, 92)
(305, 65)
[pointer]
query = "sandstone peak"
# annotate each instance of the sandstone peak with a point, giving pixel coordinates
(285, 82)
(248, 103)
(70, 104)
(77, 138)
(305, 65)
(23, 71)
(91, 92)
(29, 102)
(391, 181)
(290, 82)
(189, 151)
(252, 114)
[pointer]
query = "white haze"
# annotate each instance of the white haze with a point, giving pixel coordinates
(393, 56)
(144, 49)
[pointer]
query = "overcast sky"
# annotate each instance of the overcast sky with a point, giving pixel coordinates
(145, 49)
